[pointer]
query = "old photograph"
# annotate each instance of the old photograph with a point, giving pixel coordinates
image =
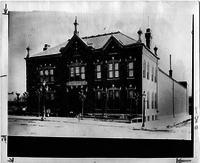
(101, 70)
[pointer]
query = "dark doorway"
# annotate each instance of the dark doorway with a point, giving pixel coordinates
(74, 100)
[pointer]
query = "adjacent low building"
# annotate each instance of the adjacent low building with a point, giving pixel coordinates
(118, 76)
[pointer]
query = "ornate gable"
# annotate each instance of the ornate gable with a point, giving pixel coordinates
(113, 44)
(76, 47)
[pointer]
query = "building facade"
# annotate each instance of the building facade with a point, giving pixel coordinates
(116, 74)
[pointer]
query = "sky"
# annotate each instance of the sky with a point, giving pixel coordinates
(36, 23)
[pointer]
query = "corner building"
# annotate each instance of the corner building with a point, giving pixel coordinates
(117, 74)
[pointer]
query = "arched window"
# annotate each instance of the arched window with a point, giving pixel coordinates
(144, 69)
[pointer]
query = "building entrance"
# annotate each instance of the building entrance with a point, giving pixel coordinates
(74, 100)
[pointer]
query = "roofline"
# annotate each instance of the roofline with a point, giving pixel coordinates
(171, 77)
(43, 56)
(150, 51)
(99, 35)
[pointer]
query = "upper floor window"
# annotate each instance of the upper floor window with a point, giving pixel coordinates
(152, 74)
(148, 70)
(155, 75)
(152, 100)
(113, 70)
(147, 100)
(155, 100)
(144, 69)
(47, 75)
(77, 72)
(98, 71)
(131, 69)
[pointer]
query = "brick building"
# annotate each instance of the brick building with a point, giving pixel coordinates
(117, 74)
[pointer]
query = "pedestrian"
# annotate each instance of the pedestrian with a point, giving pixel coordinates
(48, 112)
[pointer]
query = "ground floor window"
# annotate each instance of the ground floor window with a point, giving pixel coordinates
(113, 99)
(98, 99)
(130, 101)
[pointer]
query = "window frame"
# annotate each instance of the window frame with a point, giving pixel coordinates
(112, 69)
(98, 71)
(144, 69)
(148, 100)
(148, 71)
(46, 74)
(130, 69)
(79, 71)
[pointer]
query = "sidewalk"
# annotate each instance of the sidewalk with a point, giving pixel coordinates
(163, 123)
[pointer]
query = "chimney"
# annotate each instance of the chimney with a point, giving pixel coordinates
(139, 36)
(170, 71)
(46, 47)
(148, 37)
(155, 50)
(28, 54)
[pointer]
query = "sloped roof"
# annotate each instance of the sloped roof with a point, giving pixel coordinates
(51, 51)
(97, 42)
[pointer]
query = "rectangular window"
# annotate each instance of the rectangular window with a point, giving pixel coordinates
(47, 78)
(152, 75)
(131, 94)
(51, 72)
(155, 75)
(83, 72)
(41, 73)
(52, 96)
(77, 71)
(152, 100)
(110, 74)
(116, 70)
(82, 69)
(110, 66)
(41, 79)
(72, 71)
(152, 118)
(155, 100)
(116, 93)
(116, 66)
(98, 71)
(131, 69)
(98, 95)
(46, 72)
(113, 70)
(83, 76)
(148, 70)
(52, 78)
(147, 100)
(116, 74)
(98, 75)
(144, 69)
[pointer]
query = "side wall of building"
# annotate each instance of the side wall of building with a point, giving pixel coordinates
(172, 96)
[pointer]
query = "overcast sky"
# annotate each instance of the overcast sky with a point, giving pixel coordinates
(37, 23)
